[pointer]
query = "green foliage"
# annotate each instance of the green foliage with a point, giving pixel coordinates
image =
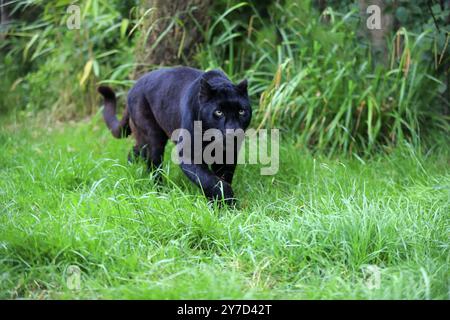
(419, 16)
(318, 80)
(68, 197)
(48, 65)
(314, 79)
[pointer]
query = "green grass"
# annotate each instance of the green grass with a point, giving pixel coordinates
(68, 197)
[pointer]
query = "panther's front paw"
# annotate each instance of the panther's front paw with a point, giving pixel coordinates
(222, 191)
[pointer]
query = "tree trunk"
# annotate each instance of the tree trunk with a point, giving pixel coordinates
(172, 32)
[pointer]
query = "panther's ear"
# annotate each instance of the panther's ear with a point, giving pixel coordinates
(206, 91)
(241, 87)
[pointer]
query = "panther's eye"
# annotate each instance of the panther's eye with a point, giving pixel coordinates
(241, 112)
(218, 113)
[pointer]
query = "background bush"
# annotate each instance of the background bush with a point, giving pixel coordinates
(312, 71)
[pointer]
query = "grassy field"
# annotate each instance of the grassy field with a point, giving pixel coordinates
(313, 231)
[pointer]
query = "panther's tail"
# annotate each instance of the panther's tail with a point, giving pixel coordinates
(119, 129)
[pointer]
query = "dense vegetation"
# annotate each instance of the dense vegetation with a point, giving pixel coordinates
(363, 183)
(316, 79)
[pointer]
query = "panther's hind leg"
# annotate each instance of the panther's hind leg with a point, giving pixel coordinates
(138, 150)
(135, 154)
(152, 149)
(150, 138)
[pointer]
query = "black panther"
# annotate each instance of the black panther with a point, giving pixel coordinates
(168, 99)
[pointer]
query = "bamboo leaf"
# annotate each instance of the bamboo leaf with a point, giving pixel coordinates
(86, 72)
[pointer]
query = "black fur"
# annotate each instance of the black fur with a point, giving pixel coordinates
(168, 99)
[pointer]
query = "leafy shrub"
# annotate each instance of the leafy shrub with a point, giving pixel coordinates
(319, 81)
(313, 79)
(48, 65)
